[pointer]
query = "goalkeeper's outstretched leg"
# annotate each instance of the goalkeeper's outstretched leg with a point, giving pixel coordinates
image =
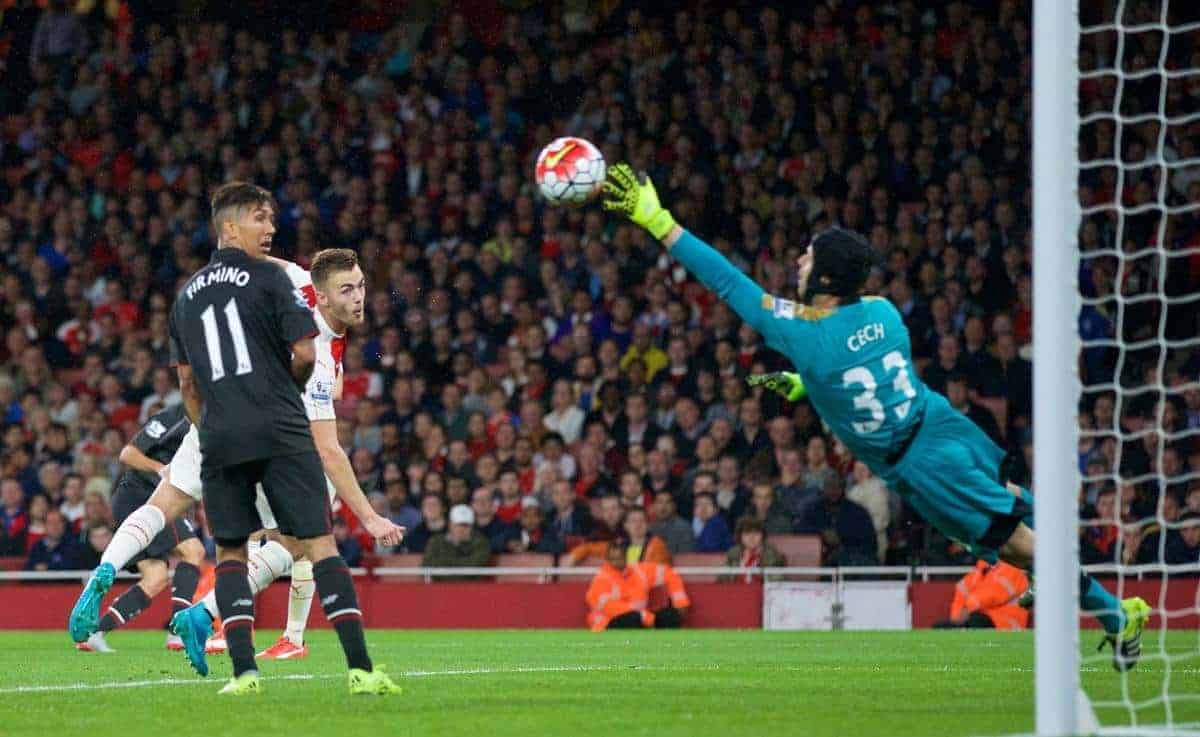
(1123, 621)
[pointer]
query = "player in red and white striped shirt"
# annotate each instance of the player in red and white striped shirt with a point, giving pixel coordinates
(339, 304)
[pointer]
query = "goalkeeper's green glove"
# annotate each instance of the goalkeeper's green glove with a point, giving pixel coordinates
(633, 196)
(784, 383)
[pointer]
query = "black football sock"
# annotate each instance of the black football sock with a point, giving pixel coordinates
(126, 607)
(183, 586)
(236, 604)
(335, 589)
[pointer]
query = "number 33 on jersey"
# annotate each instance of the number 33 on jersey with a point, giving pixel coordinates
(856, 363)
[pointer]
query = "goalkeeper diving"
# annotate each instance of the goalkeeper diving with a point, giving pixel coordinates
(853, 358)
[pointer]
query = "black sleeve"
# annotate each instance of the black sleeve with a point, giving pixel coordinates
(156, 429)
(145, 440)
(292, 314)
(178, 351)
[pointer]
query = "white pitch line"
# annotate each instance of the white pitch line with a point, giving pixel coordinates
(312, 677)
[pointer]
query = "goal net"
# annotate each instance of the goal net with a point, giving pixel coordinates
(1130, 200)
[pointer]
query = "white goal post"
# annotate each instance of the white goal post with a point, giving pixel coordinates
(1138, 64)
(1056, 387)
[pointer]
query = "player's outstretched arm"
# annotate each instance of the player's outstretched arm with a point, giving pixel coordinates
(341, 473)
(634, 196)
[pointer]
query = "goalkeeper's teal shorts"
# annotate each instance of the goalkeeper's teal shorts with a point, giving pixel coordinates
(950, 473)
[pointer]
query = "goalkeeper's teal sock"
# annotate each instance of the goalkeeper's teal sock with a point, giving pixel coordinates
(1099, 601)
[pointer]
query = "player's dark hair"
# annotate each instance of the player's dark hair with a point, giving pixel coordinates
(331, 261)
(236, 196)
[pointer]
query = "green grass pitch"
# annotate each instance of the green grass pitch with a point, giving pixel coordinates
(571, 683)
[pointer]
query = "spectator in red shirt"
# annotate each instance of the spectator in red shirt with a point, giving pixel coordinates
(39, 505)
(510, 493)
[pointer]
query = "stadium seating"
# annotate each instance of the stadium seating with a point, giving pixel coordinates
(697, 560)
(800, 550)
(405, 560)
(523, 560)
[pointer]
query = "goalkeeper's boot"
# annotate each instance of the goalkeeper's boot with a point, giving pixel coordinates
(1127, 644)
(244, 685)
(193, 625)
(785, 383)
(85, 615)
(372, 683)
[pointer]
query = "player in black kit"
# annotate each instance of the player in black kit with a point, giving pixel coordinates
(241, 338)
(144, 458)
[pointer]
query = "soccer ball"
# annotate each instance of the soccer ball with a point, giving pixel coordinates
(569, 171)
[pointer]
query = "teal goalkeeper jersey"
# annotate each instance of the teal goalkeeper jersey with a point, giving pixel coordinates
(856, 360)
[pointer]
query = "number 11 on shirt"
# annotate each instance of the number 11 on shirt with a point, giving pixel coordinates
(212, 340)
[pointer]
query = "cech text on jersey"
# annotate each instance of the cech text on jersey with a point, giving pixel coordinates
(864, 335)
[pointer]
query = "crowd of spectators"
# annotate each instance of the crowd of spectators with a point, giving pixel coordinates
(528, 378)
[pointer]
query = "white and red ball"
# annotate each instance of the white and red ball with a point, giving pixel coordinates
(569, 171)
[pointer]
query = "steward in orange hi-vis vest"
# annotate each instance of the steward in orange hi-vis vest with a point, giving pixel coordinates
(987, 597)
(619, 595)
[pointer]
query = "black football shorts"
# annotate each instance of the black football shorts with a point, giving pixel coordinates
(294, 486)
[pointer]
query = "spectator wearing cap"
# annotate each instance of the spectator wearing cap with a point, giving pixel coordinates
(495, 530)
(532, 534)
(752, 549)
(462, 546)
(709, 527)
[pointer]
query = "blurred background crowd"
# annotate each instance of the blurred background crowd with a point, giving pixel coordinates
(552, 370)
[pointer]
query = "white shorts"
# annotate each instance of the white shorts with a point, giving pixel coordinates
(184, 467)
(185, 475)
(264, 508)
